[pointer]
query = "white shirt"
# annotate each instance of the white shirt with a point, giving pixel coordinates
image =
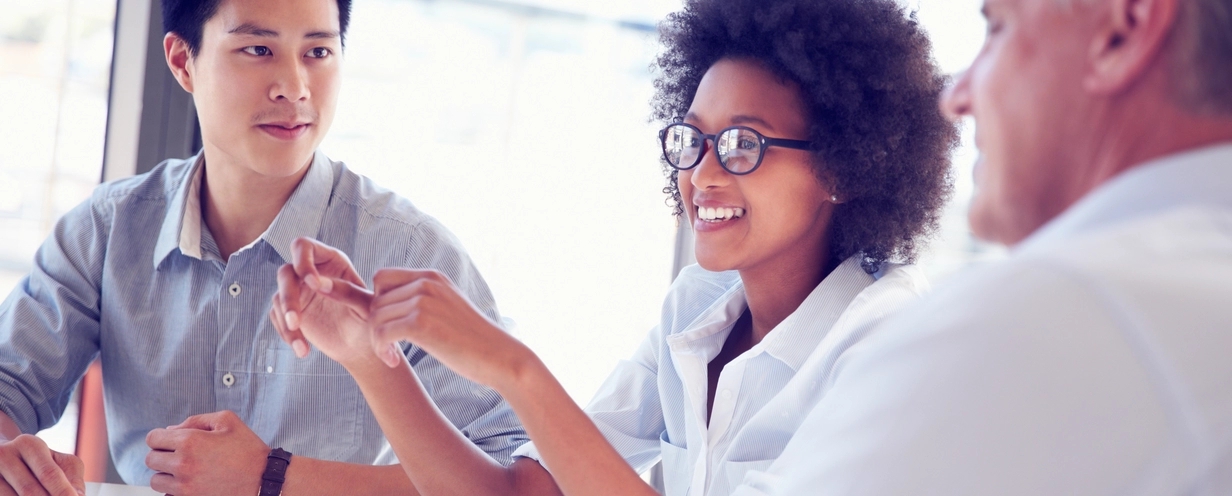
(654, 404)
(1096, 360)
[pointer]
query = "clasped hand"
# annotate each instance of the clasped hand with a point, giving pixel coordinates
(322, 302)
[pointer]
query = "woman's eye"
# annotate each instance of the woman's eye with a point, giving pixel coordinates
(258, 51)
(319, 52)
(747, 144)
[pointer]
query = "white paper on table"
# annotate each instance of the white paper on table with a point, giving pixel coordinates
(97, 489)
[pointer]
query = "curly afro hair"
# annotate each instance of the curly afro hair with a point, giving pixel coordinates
(865, 72)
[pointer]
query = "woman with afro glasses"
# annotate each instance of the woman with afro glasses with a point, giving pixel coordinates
(804, 145)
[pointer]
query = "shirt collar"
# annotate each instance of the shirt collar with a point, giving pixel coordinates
(1196, 177)
(797, 336)
(170, 235)
(300, 216)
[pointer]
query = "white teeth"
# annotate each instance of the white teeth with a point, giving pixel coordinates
(719, 214)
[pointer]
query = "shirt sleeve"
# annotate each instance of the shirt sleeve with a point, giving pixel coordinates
(479, 412)
(1025, 393)
(49, 324)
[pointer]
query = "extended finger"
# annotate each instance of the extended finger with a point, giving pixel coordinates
(354, 297)
(312, 257)
(294, 338)
(289, 292)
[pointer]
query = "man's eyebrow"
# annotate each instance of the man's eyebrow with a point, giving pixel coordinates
(317, 35)
(253, 30)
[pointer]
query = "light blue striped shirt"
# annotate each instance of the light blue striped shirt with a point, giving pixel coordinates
(133, 276)
(653, 406)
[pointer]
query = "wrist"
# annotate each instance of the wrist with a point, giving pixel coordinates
(366, 367)
(523, 370)
(275, 475)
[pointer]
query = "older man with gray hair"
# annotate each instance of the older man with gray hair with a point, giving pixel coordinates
(1097, 359)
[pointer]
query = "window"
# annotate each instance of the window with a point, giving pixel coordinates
(55, 64)
(525, 130)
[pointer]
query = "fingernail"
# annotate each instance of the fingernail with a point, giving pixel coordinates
(327, 285)
(292, 319)
(312, 282)
(301, 349)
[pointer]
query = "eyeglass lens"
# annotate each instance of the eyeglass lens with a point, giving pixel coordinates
(738, 149)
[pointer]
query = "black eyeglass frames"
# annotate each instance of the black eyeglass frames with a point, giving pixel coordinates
(740, 149)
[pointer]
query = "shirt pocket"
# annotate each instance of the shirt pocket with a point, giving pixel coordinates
(309, 406)
(677, 470)
(735, 471)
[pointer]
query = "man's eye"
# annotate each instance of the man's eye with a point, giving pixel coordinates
(258, 51)
(319, 52)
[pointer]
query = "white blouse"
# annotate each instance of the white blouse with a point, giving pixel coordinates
(653, 405)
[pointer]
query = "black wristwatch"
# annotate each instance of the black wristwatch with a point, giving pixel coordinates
(275, 472)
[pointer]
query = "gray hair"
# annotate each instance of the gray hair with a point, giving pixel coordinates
(1202, 54)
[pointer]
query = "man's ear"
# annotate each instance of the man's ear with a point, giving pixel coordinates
(1130, 36)
(179, 58)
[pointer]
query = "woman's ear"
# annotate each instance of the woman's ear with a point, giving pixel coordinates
(179, 60)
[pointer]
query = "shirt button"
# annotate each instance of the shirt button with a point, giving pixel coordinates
(269, 369)
(234, 289)
(228, 379)
(727, 394)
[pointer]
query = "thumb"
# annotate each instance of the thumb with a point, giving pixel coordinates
(204, 422)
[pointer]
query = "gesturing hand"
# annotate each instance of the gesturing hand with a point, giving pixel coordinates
(212, 453)
(425, 308)
(302, 316)
(28, 466)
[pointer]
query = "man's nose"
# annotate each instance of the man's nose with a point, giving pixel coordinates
(956, 99)
(292, 82)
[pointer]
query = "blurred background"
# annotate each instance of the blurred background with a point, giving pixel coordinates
(523, 125)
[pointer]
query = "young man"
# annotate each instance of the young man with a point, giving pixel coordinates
(1096, 359)
(168, 278)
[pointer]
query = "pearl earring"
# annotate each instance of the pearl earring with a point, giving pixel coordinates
(834, 199)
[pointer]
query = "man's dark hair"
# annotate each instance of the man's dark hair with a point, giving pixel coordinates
(870, 89)
(187, 18)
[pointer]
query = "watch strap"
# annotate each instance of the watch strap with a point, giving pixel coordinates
(276, 464)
